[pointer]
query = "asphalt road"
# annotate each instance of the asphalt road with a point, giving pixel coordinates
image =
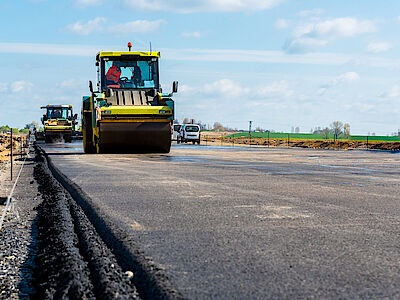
(254, 223)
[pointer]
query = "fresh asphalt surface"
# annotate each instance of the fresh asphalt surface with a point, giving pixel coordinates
(254, 223)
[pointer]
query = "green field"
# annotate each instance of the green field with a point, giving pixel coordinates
(311, 136)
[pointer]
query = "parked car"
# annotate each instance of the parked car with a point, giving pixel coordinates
(175, 131)
(189, 133)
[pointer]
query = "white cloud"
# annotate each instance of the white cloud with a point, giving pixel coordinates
(202, 5)
(71, 84)
(378, 47)
(3, 87)
(229, 89)
(265, 56)
(98, 25)
(347, 77)
(187, 89)
(15, 87)
(67, 84)
(343, 78)
(87, 28)
(140, 26)
(86, 3)
(20, 86)
(277, 88)
(211, 55)
(49, 49)
(315, 34)
(225, 87)
(191, 34)
(394, 92)
(281, 24)
(311, 12)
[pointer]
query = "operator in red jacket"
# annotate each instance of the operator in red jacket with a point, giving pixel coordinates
(113, 75)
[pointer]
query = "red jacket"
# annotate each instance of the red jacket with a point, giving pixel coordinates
(113, 74)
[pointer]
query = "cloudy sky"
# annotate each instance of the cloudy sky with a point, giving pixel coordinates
(279, 63)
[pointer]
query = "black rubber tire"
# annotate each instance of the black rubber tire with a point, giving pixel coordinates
(68, 139)
(166, 149)
(89, 149)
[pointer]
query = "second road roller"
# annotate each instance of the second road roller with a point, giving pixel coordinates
(59, 123)
(127, 113)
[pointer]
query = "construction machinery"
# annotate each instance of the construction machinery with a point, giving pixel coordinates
(59, 123)
(128, 113)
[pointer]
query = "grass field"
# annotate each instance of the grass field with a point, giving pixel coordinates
(311, 136)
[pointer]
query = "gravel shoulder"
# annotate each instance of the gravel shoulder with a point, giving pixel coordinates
(17, 237)
(49, 249)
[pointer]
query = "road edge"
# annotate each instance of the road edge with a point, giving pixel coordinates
(149, 279)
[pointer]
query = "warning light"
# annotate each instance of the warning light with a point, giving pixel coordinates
(129, 46)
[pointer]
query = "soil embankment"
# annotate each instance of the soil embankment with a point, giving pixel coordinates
(220, 138)
(5, 145)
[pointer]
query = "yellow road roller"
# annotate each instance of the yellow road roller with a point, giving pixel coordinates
(127, 113)
(59, 123)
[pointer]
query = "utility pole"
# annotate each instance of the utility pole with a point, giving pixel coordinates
(250, 130)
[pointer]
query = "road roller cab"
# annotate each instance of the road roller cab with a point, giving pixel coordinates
(128, 112)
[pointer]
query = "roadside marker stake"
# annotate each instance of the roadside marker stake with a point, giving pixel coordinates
(10, 204)
(11, 154)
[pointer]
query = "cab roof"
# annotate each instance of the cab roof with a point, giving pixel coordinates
(57, 106)
(127, 53)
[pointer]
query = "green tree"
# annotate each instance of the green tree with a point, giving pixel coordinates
(218, 127)
(346, 130)
(32, 125)
(337, 128)
(326, 131)
(4, 128)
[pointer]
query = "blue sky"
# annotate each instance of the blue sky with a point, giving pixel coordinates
(279, 63)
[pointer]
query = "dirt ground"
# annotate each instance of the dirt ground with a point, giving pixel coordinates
(218, 138)
(5, 145)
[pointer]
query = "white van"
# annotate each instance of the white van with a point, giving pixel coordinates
(189, 133)
(175, 131)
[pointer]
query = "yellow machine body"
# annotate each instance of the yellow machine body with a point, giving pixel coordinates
(129, 115)
(58, 123)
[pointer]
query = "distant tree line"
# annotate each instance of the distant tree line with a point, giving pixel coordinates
(216, 127)
(32, 125)
(337, 128)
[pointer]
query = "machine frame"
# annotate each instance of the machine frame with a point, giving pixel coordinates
(127, 119)
(58, 128)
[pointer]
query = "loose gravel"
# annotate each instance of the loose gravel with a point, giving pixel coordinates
(17, 237)
(52, 251)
